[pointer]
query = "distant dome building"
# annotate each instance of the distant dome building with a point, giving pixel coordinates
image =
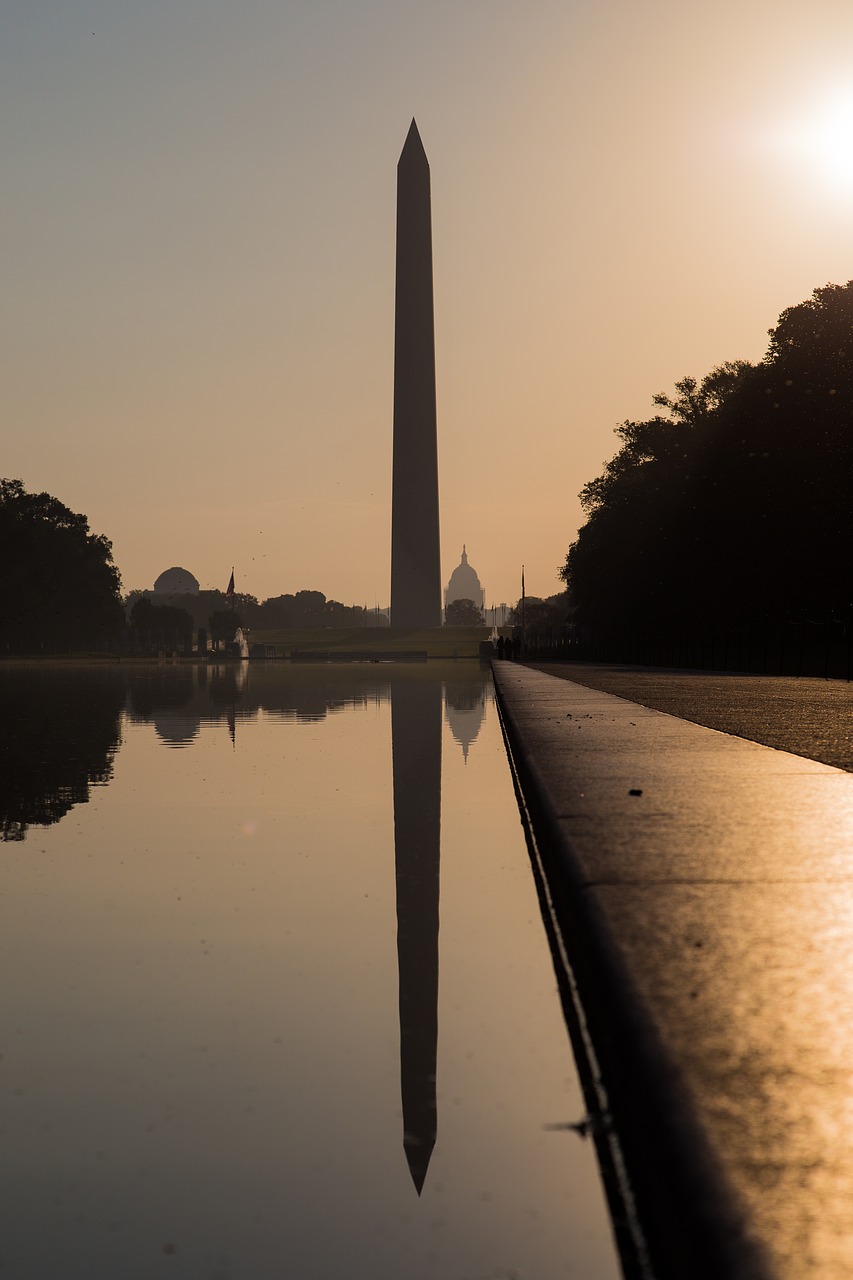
(176, 582)
(464, 584)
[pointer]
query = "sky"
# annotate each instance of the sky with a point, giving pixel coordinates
(198, 267)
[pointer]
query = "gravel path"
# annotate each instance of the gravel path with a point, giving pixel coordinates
(804, 715)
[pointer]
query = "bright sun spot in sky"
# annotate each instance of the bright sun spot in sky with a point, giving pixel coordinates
(822, 140)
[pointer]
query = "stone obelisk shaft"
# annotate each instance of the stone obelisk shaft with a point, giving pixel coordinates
(415, 557)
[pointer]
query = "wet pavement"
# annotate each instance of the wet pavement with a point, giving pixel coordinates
(705, 886)
(806, 715)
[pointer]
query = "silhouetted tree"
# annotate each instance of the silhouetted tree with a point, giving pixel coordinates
(58, 583)
(223, 623)
(541, 615)
(463, 613)
(735, 503)
(160, 626)
(304, 609)
(199, 605)
(248, 608)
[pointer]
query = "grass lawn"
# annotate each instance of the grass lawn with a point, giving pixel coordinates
(439, 642)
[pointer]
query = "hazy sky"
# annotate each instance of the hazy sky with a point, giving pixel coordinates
(198, 283)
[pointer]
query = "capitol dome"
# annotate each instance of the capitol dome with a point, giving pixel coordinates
(464, 584)
(176, 582)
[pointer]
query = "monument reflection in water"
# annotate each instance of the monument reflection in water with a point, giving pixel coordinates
(206, 1072)
(416, 748)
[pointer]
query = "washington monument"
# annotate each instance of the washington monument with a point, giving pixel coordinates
(415, 557)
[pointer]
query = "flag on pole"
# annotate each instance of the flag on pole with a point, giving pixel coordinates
(522, 608)
(229, 591)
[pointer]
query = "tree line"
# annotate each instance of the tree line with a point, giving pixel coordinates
(169, 620)
(298, 610)
(61, 591)
(59, 587)
(733, 500)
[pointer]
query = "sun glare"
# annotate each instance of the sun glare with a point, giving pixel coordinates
(833, 141)
(822, 140)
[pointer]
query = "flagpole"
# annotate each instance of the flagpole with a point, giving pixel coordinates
(522, 609)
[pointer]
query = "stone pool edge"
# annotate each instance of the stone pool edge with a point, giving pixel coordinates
(692, 1220)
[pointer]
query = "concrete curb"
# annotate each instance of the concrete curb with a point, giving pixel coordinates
(693, 1221)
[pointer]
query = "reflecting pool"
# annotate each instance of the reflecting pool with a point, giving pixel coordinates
(243, 1038)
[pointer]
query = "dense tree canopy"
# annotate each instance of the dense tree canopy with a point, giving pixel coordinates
(59, 586)
(160, 626)
(298, 611)
(223, 624)
(463, 613)
(310, 609)
(733, 502)
(540, 615)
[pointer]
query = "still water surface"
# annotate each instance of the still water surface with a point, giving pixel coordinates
(237, 1044)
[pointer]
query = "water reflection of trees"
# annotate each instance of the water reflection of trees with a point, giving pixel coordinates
(59, 736)
(306, 693)
(61, 724)
(219, 693)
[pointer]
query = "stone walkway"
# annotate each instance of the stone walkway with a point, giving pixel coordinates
(806, 715)
(704, 886)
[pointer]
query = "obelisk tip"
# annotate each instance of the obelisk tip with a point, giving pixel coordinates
(413, 146)
(418, 1155)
